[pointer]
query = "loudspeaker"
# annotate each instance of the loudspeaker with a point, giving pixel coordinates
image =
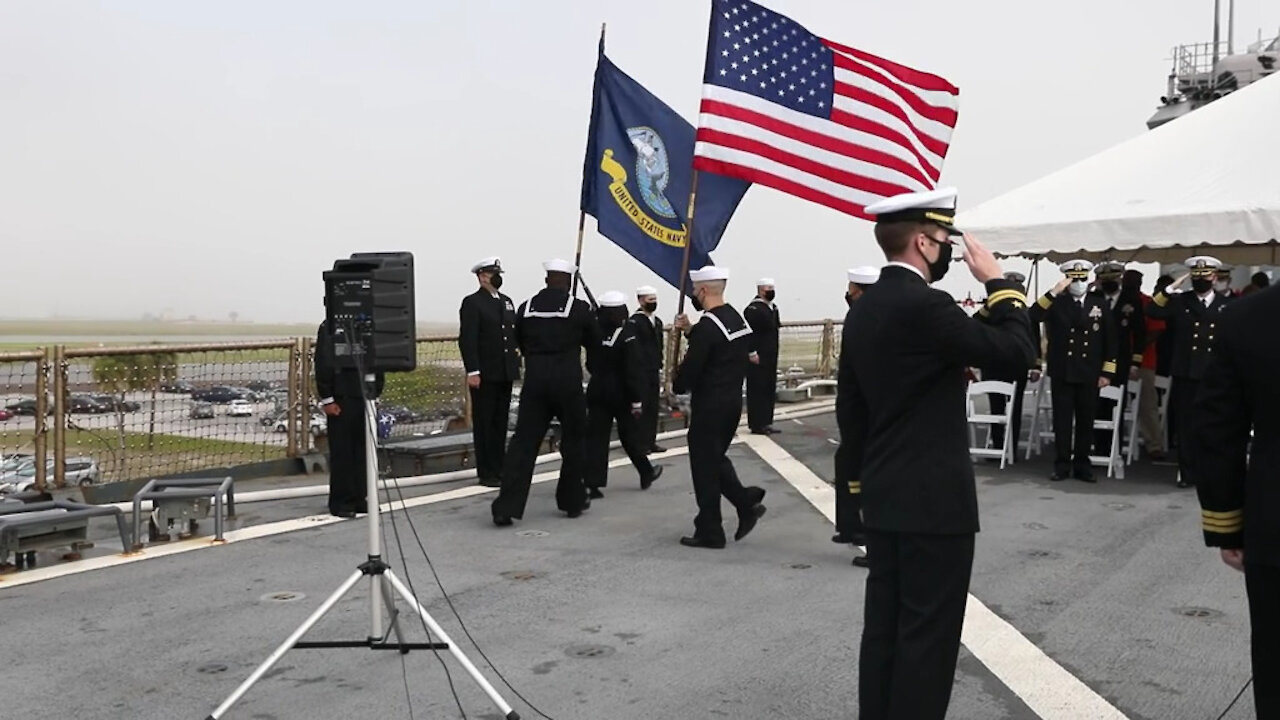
(369, 308)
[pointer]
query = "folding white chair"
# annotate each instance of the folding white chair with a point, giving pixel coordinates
(1113, 461)
(1005, 451)
(1040, 429)
(1134, 401)
(1163, 386)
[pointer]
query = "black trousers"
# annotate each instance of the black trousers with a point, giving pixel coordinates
(712, 426)
(1262, 583)
(917, 587)
(848, 494)
(542, 399)
(762, 383)
(601, 415)
(1182, 406)
(490, 408)
(1073, 403)
(348, 472)
(648, 423)
(997, 408)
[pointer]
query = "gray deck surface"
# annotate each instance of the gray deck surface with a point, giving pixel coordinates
(1096, 576)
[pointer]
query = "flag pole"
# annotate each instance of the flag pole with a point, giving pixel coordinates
(582, 214)
(684, 274)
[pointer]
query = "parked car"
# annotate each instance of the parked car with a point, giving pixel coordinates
(316, 426)
(218, 394)
(27, 407)
(402, 414)
(5, 414)
(81, 471)
(110, 401)
(180, 387)
(264, 386)
(240, 408)
(86, 404)
(201, 411)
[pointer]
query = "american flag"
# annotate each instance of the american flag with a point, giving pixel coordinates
(813, 118)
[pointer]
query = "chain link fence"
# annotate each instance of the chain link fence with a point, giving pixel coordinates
(88, 416)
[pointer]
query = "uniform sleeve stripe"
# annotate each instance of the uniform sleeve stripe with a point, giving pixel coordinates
(1160, 299)
(1045, 301)
(1108, 367)
(1226, 515)
(855, 487)
(1001, 295)
(1137, 357)
(1224, 529)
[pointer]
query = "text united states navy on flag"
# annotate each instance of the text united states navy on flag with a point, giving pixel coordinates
(810, 117)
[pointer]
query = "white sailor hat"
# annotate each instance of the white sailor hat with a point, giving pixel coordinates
(1076, 269)
(613, 298)
(864, 275)
(762, 282)
(1109, 268)
(1201, 265)
(934, 206)
(560, 266)
(489, 263)
(1015, 276)
(709, 272)
(646, 290)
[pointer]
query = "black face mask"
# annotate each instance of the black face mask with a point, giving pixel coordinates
(650, 307)
(938, 268)
(495, 280)
(768, 295)
(1110, 287)
(1201, 285)
(848, 299)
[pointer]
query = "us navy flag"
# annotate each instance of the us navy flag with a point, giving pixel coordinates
(637, 176)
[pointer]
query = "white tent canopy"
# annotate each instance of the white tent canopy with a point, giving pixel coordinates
(1207, 183)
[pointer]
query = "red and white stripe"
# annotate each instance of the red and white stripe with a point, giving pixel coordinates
(889, 132)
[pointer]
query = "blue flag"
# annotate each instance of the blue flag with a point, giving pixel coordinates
(637, 176)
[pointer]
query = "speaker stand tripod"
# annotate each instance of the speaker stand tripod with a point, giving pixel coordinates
(383, 586)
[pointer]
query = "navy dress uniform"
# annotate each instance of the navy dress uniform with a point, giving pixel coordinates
(1010, 373)
(1080, 356)
(1130, 322)
(616, 393)
(552, 328)
(847, 486)
(648, 328)
(342, 394)
(905, 422)
(712, 372)
(487, 340)
(1239, 496)
(1193, 317)
(762, 373)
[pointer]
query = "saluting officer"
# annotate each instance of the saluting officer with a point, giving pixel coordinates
(648, 328)
(1193, 319)
(762, 374)
(1129, 320)
(1081, 360)
(1240, 505)
(551, 329)
(906, 427)
(712, 372)
(1010, 373)
(617, 391)
(848, 488)
(487, 339)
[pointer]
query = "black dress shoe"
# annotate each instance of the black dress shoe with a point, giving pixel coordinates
(1087, 478)
(657, 449)
(491, 482)
(348, 514)
(1184, 484)
(647, 481)
(747, 522)
(861, 561)
(594, 493)
(771, 430)
(502, 520)
(1057, 477)
(850, 539)
(362, 509)
(759, 431)
(697, 542)
(578, 513)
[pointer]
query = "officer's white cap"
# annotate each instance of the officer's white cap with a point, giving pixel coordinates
(708, 273)
(935, 206)
(487, 263)
(764, 281)
(1109, 267)
(646, 290)
(613, 298)
(1015, 276)
(864, 275)
(1076, 266)
(560, 266)
(1202, 263)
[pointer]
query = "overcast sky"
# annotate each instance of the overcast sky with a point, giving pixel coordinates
(209, 157)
